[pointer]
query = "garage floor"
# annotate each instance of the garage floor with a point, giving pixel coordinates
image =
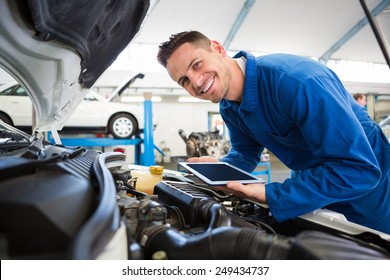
(279, 172)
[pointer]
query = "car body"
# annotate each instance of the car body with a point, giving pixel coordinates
(385, 126)
(69, 202)
(94, 114)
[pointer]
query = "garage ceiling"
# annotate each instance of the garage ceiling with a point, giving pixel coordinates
(328, 29)
(323, 29)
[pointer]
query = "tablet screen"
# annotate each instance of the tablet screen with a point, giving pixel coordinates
(219, 173)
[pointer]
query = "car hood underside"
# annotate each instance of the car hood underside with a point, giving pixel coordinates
(58, 49)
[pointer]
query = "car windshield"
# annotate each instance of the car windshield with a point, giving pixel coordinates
(15, 90)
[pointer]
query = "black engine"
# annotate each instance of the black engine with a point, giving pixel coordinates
(193, 223)
(70, 203)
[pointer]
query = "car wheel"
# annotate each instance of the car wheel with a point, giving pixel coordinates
(6, 119)
(123, 126)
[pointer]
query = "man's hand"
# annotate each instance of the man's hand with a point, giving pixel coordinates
(255, 192)
(203, 159)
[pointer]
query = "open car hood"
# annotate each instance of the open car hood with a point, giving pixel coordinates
(58, 49)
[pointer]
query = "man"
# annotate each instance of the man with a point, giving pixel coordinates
(360, 98)
(300, 111)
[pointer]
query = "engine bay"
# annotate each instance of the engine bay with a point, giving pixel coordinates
(61, 202)
(183, 221)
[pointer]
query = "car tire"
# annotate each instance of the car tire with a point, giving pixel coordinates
(6, 119)
(123, 126)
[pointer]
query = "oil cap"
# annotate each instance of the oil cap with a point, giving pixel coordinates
(156, 169)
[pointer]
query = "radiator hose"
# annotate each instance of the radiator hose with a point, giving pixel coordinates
(223, 241)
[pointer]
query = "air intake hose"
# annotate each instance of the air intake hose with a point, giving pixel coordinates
(227, 237)
(220, 243)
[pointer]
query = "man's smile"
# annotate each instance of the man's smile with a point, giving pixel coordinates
(208, 85)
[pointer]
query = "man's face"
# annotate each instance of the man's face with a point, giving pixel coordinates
(363, 100)
(202, 73)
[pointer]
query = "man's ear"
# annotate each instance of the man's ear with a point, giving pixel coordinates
(218, 48)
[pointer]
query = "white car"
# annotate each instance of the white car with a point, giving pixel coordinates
(95, 114)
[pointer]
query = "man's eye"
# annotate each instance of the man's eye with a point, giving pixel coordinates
(184, 81)
(195, 65)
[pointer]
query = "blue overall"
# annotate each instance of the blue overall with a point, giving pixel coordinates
(300, 111)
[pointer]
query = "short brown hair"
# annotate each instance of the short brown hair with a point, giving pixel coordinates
(358, 96)
(166, 49)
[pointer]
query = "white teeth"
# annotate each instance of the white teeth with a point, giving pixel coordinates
(208, 85)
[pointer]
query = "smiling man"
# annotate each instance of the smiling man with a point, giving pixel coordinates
(299, 110)
(205, 75)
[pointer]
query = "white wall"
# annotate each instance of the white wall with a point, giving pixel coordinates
(191, 117)
(173, 116)
(5, 77)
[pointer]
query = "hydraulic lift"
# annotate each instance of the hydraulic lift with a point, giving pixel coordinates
(147, 158)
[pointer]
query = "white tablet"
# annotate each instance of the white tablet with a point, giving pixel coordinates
(219, 173)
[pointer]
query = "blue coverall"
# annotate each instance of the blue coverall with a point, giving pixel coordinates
(300, 111)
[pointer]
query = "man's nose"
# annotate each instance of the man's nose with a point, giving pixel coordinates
(196, 79)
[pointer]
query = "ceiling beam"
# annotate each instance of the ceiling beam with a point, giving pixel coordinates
(239, 20)
(376, 32)
(355, 29)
